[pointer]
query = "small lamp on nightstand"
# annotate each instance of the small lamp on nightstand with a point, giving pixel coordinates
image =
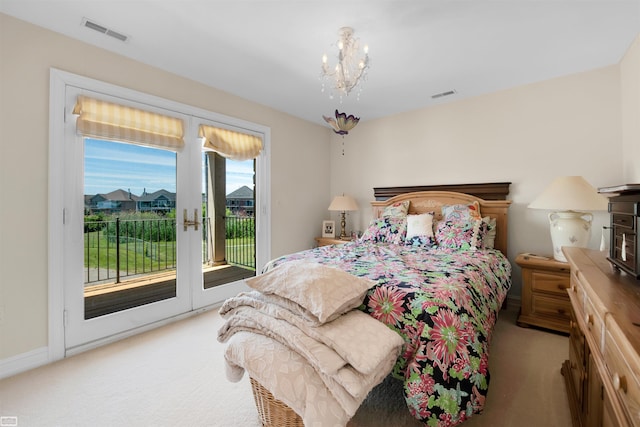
(564, 196)
(343, 203)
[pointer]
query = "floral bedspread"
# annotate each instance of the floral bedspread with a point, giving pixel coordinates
(444, 303)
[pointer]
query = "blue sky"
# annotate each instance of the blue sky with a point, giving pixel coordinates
(111, 166)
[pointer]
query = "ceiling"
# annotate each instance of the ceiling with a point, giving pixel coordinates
(269, 51)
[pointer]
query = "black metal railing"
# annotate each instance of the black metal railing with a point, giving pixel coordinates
(240, 234)
(124, 248)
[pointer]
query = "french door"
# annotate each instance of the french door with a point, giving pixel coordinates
(93, 299)
(102, 297)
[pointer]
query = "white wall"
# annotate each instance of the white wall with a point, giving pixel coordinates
(527, 136)
(630, 85)
(299, 163)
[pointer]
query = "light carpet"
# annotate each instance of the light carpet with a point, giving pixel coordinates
(174, 376)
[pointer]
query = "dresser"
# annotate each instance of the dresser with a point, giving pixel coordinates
(602, 374)
(545, 302)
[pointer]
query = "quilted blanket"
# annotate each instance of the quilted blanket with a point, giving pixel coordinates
(334, 364)
(444, 304)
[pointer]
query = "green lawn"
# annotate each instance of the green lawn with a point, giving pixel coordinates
(137, 257)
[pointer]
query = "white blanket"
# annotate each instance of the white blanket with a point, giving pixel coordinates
(336, 363)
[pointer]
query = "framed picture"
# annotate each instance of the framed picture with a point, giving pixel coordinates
(328, 229)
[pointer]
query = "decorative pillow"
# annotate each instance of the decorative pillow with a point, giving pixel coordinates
(490, 237)
(325, 291)
(461, 235)
(398, 209)
(420, 230)
(461, 212)
(386, 230)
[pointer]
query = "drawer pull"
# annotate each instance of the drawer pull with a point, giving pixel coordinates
(619, 383)
(588, 319)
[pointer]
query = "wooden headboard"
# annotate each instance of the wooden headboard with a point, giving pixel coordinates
(431, 201)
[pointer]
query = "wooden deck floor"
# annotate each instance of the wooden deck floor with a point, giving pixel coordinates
(112, 297)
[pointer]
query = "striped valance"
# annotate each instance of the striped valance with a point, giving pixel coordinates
(231, 144)
(100, 119)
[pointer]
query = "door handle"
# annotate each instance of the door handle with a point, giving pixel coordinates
(186, 223)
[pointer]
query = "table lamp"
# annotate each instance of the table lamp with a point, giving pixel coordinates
(343, 203)
(565, 196)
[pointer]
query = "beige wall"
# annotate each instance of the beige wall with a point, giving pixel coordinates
(630, 84)
(527, 136)
(299, 163)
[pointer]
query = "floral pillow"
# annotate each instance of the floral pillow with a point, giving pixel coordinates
(398, 209)
(386, 230)
(461, 235)
(461, 212)
(420, 230)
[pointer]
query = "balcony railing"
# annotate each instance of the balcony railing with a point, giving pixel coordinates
(119, 249)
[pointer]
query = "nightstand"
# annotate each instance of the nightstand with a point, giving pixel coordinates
(324, 241)
(545, 301)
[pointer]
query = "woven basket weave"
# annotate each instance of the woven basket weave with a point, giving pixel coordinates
(273, 413)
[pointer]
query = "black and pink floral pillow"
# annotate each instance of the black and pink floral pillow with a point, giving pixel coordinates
(465, 235)
(386, 230)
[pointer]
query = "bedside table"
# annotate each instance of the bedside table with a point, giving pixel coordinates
(545, 301)
(324, 241)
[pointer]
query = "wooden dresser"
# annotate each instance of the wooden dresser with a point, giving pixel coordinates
(602, 373)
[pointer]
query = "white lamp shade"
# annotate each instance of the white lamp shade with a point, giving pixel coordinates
(570, 193)
(564, 196)
(343, 203)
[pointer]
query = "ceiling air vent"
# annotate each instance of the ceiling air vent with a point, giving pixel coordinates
(104, 30)
(443, 94)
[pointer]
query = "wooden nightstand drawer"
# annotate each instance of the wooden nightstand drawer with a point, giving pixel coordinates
(553, 307)
(548, 281)
(622, 366)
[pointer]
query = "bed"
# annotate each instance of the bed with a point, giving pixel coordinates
(441, 292)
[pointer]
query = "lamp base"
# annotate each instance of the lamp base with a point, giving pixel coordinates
(343, 225)
(569, 229)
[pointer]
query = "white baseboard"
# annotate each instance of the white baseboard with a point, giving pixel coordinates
(23, 362)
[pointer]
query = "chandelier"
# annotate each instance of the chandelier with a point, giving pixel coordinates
(351, 67)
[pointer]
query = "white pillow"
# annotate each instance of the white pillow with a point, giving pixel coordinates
(325, 291)
(420, 225)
